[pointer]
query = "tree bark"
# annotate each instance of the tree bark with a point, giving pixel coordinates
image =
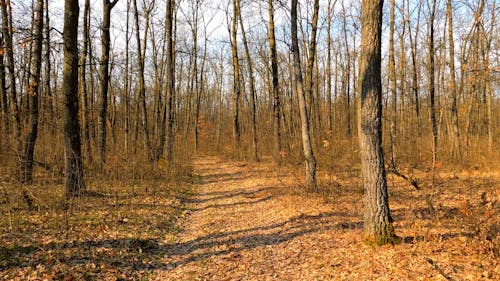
(432, 88)
(33, 94)
(236, 76)
(74, 169)
(275, 86)
(9, 51)
(299, 88)
(377, 217)
(107, 6)
(170, 79)
(253, 113)
(453, 85)
(83, 80)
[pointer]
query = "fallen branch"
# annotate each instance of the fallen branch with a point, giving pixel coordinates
(394, 169)
(438, 269)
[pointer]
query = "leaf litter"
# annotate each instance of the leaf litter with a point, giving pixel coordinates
(247, 222)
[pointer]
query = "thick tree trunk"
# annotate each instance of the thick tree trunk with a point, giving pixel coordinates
(74, 170)
(299, 88)
(378, 222)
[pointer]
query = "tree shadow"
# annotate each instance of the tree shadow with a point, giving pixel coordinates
(141, 254)
(240, 203)
(224, 195)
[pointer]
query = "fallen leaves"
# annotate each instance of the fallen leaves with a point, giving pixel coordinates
(245, 223)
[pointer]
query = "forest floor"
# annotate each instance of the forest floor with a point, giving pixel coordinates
(241, 221)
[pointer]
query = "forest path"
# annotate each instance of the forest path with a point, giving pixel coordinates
(246, 224)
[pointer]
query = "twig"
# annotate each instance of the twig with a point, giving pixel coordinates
(394, 169)
(438, 269)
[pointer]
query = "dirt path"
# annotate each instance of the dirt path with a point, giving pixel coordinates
(246, 224)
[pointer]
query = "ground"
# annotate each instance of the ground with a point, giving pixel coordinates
(241, 221)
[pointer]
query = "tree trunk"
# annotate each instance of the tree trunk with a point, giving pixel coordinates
(74, 169)
(83, 80)
(33, 94)
(252, 91)
(432, 88)
(9, 51)
(170, 81)
(104, 73)
(141, 51)
(236, 76)
(453, 85)
(392, 83)
(275, 86)
(299, 88)
(3, 96)
(377, 218)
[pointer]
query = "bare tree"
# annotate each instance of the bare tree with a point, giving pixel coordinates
(236, 75)
(377, 218)
(74, 168)
(299, 89)
(33, 94)
(275, 86)
(107, 6)
(252, 89)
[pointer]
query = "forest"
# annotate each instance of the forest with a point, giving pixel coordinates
(249, 140)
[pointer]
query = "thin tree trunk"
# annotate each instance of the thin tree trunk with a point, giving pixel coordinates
(432, 88)
(275, 86)
(48, 89)
(453, 85)
(104, 73)
(170, 79)
(3, 95)
(299, 88)
(141, 51)
(392, 83)
(9, 51)
(83, 80)
(33, 94)
(252, 91)
(236, 76)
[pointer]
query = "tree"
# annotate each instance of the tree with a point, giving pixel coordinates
(275, 86)
(299, 89)
(432, 87)
(393, 82)
(141, 54)
(236, 76)
(170, 81)
(9, 52)
(107, 6)
(377, 217)
(83, 79)
(252, 89)
(74, 168)
(33, 94)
